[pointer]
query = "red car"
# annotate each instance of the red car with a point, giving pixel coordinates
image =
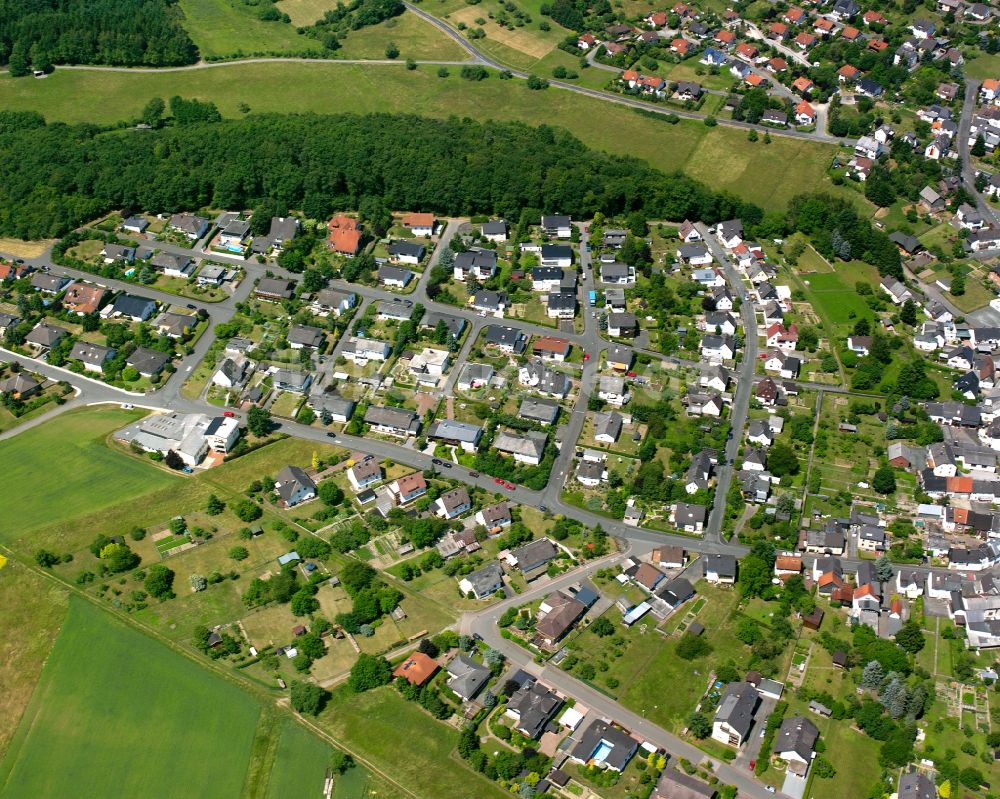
(586, 356)
(230, 414)
(631, 374)
(498, 480)
(509, 486)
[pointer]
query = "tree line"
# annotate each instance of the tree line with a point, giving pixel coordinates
(54, 177)
(35, 34)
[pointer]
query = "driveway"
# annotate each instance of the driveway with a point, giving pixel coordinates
(794, 785)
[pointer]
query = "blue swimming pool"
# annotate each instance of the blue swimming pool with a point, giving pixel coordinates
(602, 752)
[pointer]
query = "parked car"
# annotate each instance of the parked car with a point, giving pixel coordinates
(473, 474)
(498, 480)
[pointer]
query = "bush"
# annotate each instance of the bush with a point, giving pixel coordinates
(248, 511)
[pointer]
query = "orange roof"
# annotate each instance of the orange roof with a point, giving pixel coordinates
(754, 80)
(802, 84)
(630, 74)
(83, 298)
(658, 18)
(991, 84)
(831, 578)
(848, 71)
(416, 669)
(681, 9)
(805, 39)
(550, 344)
(778, 64)
(959, 485)
(651, 81)
(345, 240)
(725, 37)
(872, 16)
(779, 28)
(865, 590)
(805, 108)
(850, 33)
(788, 563)
(897, 605)
(418, 220)
(878, 45)
(794, 14)
(824, 25)
(961, 515)
(344, 222)
(680, 45)
(747, 50)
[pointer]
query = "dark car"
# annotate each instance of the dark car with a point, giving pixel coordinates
(473, 474)
(437, 461)
(446, 464)
(331, 435)
(543, 509)
(192, 306)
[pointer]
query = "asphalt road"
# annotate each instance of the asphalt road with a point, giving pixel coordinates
(744, 385)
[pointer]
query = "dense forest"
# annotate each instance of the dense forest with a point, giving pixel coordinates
(39, 33)
(55, 177)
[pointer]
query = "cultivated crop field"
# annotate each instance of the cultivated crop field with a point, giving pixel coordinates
(120, 714)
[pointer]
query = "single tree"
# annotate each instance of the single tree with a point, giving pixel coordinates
(307, 697)
(884, 481)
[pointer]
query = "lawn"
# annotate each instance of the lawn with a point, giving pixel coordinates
(232, 28)
(81, 474)
(300, 764)
(852, 754)
(769, 174)
(671, 687)
(399, 737)
(91, 722)
(26, 633)
(834, 299)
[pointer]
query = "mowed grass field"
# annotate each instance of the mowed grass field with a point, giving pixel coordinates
(769, 174)
(27, 629)
(63, 468)
(299, 765)
(118, 715)
(228, 27)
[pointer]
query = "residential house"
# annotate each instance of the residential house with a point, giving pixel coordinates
(453, 503)
(483, 582)
(735, 715)
(526, 448)
(294, 486)
(392, 421)
(419, 224)
(456, 434)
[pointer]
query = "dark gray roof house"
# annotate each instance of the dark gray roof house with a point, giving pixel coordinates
(466, 676)
(916, 785)
(604, 744)
(798, 735)
(539, 410)
(532, 556)
(91, 354)
(509, 338)
(138, 308)
(294, 485)
(483, 582)
(406, 249)
(533, 705)
(148, 362)
(675, 784)
(44, 335)
(737, 706)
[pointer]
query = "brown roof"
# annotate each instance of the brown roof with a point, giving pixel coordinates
(647, 576)
(416, 669)
(788, 563)
(83, 298)
(563, 615)
(410, 483)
